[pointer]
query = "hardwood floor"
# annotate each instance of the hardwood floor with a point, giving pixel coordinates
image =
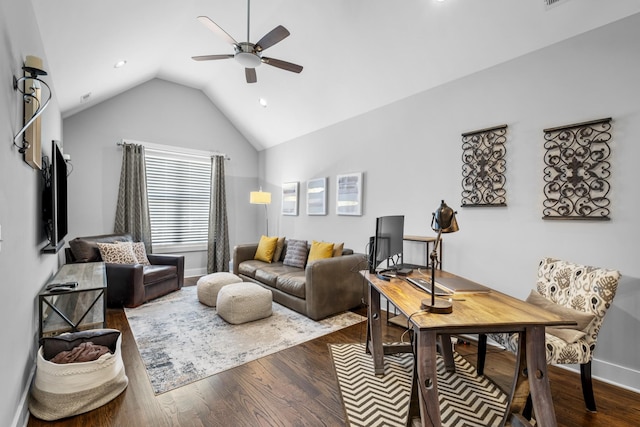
(297, 387)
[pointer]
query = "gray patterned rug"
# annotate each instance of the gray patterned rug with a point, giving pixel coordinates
(181, 340)
(466, 398)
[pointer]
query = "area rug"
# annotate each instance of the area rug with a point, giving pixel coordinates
(181, 340)
(466, 398)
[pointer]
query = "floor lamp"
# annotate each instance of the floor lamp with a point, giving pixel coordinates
(443, 221)
(261, 198)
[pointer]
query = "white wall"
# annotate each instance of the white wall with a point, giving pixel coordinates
(410, 153)
(163, 113)
(23, 269)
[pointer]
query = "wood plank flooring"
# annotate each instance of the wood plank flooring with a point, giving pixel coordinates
(298, 387)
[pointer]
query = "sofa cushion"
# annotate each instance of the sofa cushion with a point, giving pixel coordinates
(85, 249)
(320, 250)
(248, 268)
(266, 249)
(268, 273)
(292, 283)
(296, 255)
(158, 273)
(117, 253)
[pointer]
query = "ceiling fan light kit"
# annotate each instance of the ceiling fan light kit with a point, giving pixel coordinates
(248, 54)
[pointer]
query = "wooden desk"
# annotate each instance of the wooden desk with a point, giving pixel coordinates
(472, 313)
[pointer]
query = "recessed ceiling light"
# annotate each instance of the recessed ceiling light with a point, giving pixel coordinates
(120, 64)
(263, 102)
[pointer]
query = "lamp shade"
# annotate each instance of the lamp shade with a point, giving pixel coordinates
(260, 198)
(444, 219)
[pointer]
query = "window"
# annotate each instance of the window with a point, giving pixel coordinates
(178, 186)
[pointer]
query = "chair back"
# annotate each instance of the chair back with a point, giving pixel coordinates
(580, 287)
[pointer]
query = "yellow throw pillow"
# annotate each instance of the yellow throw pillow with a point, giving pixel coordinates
(320, 250)
(266, 248)
(337, 249)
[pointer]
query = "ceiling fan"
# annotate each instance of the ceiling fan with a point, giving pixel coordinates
(248, 54)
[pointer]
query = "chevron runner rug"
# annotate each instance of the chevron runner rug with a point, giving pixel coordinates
(466, 399)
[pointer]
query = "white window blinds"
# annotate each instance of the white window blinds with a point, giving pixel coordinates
(178, 187)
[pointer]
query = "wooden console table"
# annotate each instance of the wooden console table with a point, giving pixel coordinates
(429, 242)
(78, 308)
(472, 313)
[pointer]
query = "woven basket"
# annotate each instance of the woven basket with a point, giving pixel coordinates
(64, 390)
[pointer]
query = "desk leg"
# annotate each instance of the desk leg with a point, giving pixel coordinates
(374, 331)
(538, 379)
(426, 370)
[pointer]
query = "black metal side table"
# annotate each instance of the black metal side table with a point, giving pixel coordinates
(74, 299)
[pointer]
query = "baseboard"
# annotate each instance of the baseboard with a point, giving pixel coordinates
(601, 370)
(21, 417)
(193, 272)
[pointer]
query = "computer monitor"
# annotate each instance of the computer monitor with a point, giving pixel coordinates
(387, 243)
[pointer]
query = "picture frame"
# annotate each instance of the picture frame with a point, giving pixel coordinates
(290, 198)
(317, 196)
(349, 194)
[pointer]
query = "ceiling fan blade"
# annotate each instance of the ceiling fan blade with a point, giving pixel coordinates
(295, 68)
(250, 74)
(211, 57)
(272, 37)
(216, 29)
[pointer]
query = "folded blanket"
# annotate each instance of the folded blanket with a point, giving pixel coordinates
(85, 352)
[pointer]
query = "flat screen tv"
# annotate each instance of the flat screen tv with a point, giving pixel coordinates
(54, 200)
(388, 241)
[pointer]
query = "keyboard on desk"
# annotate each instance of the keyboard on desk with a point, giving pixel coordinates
(425, 285)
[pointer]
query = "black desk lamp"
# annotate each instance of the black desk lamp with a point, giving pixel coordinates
(443, 221)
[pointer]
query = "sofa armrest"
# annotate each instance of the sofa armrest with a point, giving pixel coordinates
(242, 253)
(125, 284)
(175, 260)
(333, 285)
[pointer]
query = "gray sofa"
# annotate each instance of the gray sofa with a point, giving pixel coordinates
(323, 288)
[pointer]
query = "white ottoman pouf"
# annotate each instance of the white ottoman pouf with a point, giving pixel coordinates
(208, 286)
(244, 302)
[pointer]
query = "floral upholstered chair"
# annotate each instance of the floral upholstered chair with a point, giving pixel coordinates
(578, 292)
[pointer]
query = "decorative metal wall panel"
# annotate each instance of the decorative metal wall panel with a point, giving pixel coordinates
(576, 172)
(484, 167)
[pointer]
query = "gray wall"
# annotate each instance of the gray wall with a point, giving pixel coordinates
(23, 269)
(159, 112)
(410, 153)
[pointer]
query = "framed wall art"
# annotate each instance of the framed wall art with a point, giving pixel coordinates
(317, 196)
(349, 194)
(290, 198)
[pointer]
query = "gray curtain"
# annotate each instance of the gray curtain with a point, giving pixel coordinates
(218, 242)
(132, 211)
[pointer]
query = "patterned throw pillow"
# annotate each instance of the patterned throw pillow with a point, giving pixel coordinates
(296, 255)
(117, 253)
(140, 252)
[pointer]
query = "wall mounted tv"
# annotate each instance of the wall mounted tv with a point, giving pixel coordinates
(54, 200)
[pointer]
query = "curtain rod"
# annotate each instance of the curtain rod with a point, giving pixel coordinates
(171, 149)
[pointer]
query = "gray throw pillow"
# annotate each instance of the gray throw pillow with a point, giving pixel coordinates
(296, 255)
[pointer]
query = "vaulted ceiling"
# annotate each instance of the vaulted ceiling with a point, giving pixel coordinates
(358, 55)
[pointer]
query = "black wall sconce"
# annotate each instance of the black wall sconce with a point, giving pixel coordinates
(30, 86)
